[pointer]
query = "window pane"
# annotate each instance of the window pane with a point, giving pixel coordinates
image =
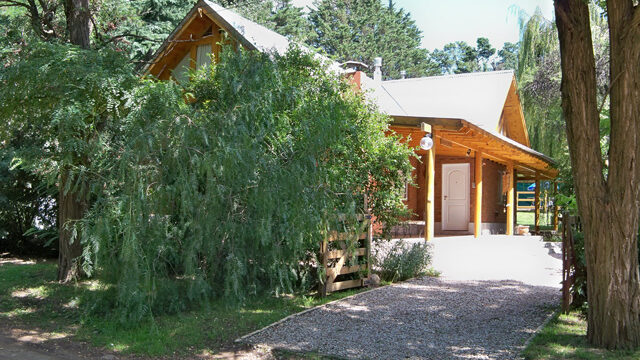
(203, 55)
(181, 72)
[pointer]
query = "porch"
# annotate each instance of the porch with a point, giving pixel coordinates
(465, 184)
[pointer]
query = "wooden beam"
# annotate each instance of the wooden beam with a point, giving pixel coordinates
(429, 208)
(536, 204)
(440, 123)
(477, 217)
(510, 199)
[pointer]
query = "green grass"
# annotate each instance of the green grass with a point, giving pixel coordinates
(564, 337)
(30, 297)
(529, 218)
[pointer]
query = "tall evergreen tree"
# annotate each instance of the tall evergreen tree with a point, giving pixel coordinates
(365, 29)
(459, 57)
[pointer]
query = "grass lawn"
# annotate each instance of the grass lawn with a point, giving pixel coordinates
(565, 337)
(30, 297)
(529, 218)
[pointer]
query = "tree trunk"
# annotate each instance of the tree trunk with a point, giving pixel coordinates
(608, 206)
(78, 22)
(70, 209)
(72, 206)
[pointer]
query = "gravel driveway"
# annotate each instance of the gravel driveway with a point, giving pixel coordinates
(472, 316)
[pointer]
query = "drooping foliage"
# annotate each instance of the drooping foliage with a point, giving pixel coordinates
(539, 78)
(230, 194)
(59, 103)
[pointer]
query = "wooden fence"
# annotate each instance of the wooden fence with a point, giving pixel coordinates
(346, 258)
(569, 265)
(523, 197)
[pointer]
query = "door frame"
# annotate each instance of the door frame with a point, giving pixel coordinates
(466, 167)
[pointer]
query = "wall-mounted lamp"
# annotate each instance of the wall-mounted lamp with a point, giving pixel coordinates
(426, 143)
(468, 152)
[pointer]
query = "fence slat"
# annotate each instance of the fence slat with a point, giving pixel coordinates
(336, 236)
(335, 268)
(336, 254)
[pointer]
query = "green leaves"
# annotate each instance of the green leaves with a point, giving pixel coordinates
(229, 196)
(363, 30)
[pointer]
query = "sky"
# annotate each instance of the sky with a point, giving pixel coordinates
(445, 21)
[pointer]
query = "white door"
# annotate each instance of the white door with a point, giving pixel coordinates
(455, 196)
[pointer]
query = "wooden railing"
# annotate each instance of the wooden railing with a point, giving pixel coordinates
(570, 224)
(346, 258)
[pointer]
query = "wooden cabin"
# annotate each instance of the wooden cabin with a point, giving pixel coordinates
(481, 149)
(465, 183)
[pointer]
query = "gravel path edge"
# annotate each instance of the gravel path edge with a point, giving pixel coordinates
(241, 339)
(535, 333)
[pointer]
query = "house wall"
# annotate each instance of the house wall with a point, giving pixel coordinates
(493, 188)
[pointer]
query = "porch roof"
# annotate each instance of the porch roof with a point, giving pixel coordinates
(464, 134)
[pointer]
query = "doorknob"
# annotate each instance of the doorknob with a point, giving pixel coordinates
(445, 197)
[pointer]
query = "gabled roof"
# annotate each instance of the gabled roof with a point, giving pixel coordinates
(250, 34)
(476, 97)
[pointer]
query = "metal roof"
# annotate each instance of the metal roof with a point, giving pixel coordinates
(259, 37)
(252, 35)
(476, 97)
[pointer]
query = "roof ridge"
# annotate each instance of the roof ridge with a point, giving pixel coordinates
(463, 75)
(221, 8)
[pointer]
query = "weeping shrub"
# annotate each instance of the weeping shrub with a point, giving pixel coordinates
(228, 195)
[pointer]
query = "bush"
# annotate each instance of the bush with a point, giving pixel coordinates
(229, 195)
(27, 210)
(403, 262)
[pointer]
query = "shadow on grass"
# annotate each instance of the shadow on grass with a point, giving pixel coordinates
(564, 337)
(33, 304)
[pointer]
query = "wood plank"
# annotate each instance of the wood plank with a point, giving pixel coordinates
(345, 270)
(440, 123)
(336, 236)
(477, 216)
(347, 284)
(336, 254)
(429, 208)
(510, 201)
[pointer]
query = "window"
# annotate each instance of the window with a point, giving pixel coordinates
(181, 72)
(203, 55)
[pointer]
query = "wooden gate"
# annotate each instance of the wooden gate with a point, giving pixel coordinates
(346, 258)
(569, 265)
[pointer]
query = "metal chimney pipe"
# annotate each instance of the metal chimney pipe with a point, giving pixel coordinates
(377, 74)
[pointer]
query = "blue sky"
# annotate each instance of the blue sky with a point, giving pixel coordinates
(445, 21)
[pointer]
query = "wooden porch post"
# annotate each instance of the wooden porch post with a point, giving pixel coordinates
(510, 203)
(515, 197)
(429, 213)
(536, 203)
(555, 205)
(477, 218)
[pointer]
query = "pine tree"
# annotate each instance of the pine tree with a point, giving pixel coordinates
(365, 29)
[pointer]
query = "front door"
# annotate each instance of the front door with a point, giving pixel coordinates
(455, 196)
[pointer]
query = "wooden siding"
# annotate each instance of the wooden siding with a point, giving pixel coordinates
(198, 30)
